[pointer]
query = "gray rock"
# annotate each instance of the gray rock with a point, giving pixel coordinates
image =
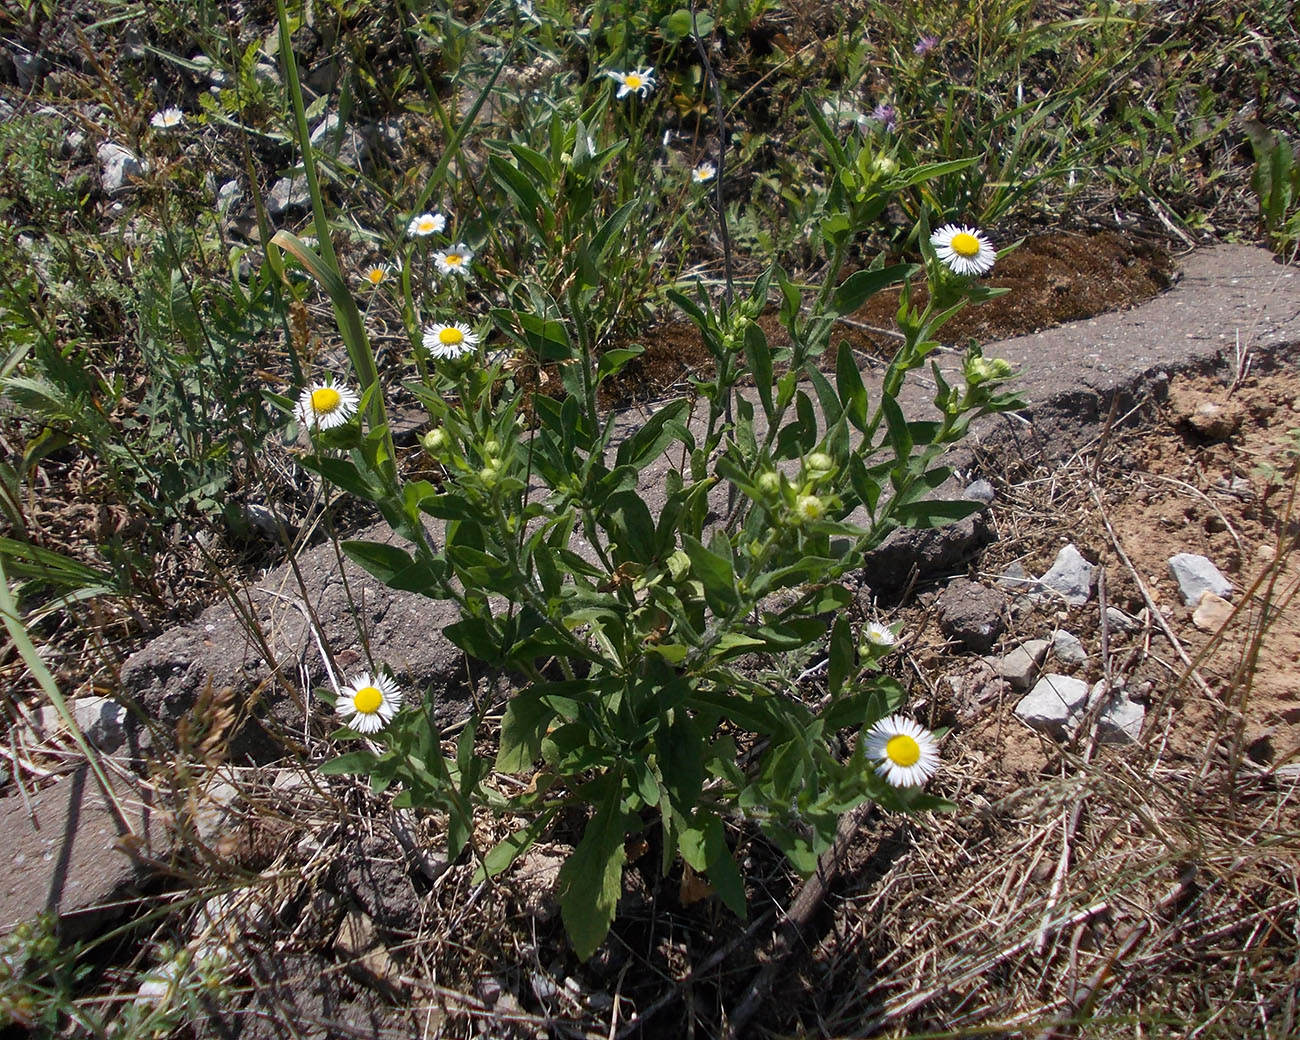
(66, 851)
(74, 145)
(288, 193)
(1017, 579)
(1117, 619)
(1067, 649)
(347, 144)
(1196, 575)
(980, 491)
(973, 615)
(100, 719)
(1071, 576)
(217, 651)
(1053, 703)
(28, 68)
(228, 195)
(215, 75)
(118, 168)
(1120, 719)
(1020, 666)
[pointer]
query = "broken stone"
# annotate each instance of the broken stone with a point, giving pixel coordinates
(1053, 702)
(1067, 649)
(1215, 421)
(972, 614)
(1211, 613)
(1196, 575)
(118, 168)
(1071, 576)
(66, 851)
(1121, 717)
(100, 719)
(980, 491)
(538, 872)
(288, 193)
(1116, 618)
(1020, 666)
(366, 957)
(925, 551)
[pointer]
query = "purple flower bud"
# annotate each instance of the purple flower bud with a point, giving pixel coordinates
(885, 114)
(925, 45)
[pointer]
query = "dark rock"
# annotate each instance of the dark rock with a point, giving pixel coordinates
(925, 551)
(973, 615)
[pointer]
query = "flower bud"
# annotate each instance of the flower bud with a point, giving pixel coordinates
(436, 442)
(818, 465)
(769, 483)
(809, 509)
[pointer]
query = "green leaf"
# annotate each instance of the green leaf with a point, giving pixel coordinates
(511, 847)
(860, 286)
(650, 440)
(842, 656)
(522, 728)
(612, 361)
(900, 437)
(759, 355)
(393, 566)
(714, 573)
(591, 879)
(354, 762)
(342, 474)
(848, 381)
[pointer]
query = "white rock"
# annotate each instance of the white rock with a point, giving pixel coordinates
(1195, 575)
(1052, 703)
(1070, 575)
(1067, 648)
(118, 168)
(1120, 721)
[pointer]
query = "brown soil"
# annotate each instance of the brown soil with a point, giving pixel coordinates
(1052, 278)
(1225, 495)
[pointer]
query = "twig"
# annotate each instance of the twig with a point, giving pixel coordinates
(810, 896)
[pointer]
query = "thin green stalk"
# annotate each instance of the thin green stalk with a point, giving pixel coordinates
(18, 633)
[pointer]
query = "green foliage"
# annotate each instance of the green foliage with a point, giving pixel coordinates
(1276, 181)
(639, 717)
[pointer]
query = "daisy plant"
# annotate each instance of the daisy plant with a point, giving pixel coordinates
(634, 632)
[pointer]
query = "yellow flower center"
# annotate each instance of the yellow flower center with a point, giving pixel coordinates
(428, 224)
(368, 699)
(450, 337)
(454, 259)
(965, 244)
(903, 750)
(632, 81)
(376, 275)
(324, 400)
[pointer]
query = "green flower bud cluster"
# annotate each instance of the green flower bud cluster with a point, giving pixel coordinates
(984, 370)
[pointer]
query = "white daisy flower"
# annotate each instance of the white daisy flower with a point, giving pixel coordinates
(369, 703)
(376, 274)
(167, 119)
(878, 635)
(704, 173)
(426, 224)
(454, 260)
(640, 80)
(449, 341)
(963, 249)
(325, 405)
(905, 752)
